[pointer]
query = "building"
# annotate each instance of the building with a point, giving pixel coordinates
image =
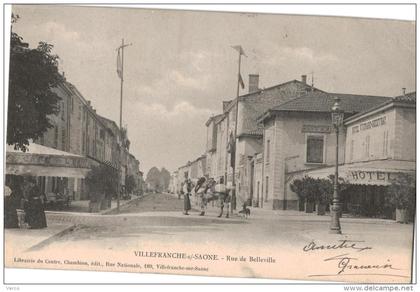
(224, 151)
(78, 140)
(376, 142)
(298, 137)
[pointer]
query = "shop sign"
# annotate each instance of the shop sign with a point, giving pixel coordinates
(376, 177)
(316, 129)
(378, 122)
(47, 160)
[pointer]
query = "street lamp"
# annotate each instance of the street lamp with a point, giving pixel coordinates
(337, 116)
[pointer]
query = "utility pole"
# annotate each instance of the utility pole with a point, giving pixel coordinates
(241, 52)
(120, 72)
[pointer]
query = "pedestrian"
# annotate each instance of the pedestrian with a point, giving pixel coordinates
(223, 195)
(34, 207)
(181, 191)
(200, 190)
(10, 206)
(188, 186)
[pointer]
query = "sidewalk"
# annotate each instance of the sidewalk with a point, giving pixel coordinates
(82, 206)
(22, 239)
(58, 222)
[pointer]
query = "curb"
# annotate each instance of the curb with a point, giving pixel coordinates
(110, 210)
(51, 239)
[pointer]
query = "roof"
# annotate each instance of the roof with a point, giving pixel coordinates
(110, 124)
(256, 103)
(216, 119)
(322, 102)
(409, 97)
(405, 100)
(228, 105)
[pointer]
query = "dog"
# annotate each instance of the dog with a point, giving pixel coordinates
(246, 212)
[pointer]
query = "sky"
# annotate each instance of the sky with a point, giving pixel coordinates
(181, 66)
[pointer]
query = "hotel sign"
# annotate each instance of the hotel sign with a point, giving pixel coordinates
(378, 122)
(370, 177)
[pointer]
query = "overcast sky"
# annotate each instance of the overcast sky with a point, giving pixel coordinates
(181, 64)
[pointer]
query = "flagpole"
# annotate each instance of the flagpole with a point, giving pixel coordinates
(121, 137)
(233, 204)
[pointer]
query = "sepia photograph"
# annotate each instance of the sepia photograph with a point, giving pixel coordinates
(230, 144)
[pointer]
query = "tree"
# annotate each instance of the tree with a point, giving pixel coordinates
(102, 182)
(165, 178)
(130, 184)
(153, 179)
(33, 73)
(401, 194)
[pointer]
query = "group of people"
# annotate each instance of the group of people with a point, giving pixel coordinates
(206, 190)
(24, 193)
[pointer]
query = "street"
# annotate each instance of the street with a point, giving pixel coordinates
(283, 244)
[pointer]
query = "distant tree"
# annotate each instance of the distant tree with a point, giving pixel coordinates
(153, 179)
(165, 178)
(33, 73)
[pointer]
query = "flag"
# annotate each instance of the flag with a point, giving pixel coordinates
(241, 81)
(239, 49)
(119, 65)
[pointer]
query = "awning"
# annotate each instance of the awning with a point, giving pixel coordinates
(45, 161)
(379, 172)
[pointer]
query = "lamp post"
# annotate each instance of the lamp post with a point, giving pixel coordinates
(337, 116)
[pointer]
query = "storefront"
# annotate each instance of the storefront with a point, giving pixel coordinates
(366, 185)
(379, 145)
(56, 171)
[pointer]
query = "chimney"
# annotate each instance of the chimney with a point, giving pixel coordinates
(403, 90)
(253, 83)
(304, 79)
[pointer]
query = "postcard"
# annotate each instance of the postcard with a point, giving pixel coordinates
(187, 142)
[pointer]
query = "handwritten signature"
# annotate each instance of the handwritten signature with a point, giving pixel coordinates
(342, 244)
(344, 263)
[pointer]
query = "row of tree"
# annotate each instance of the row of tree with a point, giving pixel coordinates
(158, 180)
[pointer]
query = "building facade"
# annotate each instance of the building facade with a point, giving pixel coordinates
(78, 129)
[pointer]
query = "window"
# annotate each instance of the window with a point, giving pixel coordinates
(267, 161)
(83, 142)
(71, 104)
(315, 149)
(63, 138)
(266, 188)
(80, 112)
(351, 150)
(385, 146)
(258, 191)
(102, 134)
(55, 137)
(367, 146)
(62, 110)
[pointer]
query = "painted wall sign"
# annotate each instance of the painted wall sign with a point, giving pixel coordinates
(369, 125)
(316, 129)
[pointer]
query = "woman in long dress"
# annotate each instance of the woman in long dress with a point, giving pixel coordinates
(188, 186)
(10, 206)
(34, 207)
(200, 190)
